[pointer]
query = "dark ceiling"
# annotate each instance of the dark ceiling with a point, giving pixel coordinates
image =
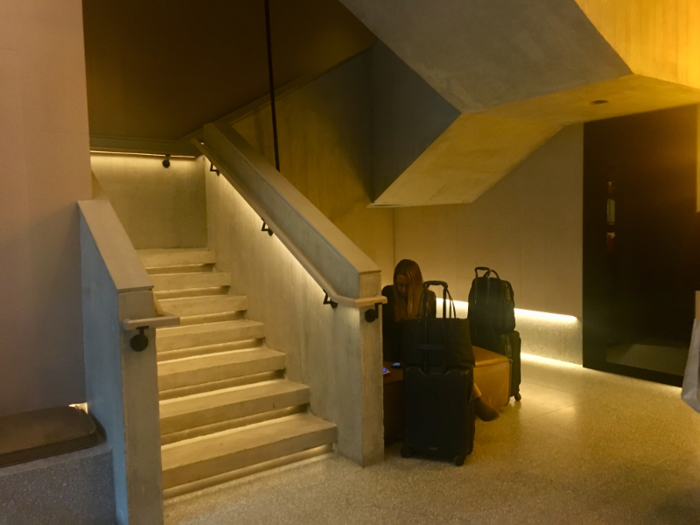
(159, 69)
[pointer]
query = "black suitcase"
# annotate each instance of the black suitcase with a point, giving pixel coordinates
(438, 414)
(509, 346)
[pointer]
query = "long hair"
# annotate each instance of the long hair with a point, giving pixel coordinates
(410, 307)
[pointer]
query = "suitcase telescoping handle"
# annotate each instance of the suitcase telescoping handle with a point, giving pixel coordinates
(445, 294)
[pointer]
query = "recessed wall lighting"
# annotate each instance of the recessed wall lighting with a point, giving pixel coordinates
(526, 313)
(599, 102)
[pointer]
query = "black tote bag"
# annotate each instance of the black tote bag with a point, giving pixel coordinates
(437, 345)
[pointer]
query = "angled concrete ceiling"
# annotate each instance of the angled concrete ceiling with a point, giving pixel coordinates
(159, 69)
(518, 71)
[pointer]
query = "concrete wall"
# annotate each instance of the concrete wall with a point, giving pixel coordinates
(44, 170)
(158, 207)
(325, 147)
(529, 228)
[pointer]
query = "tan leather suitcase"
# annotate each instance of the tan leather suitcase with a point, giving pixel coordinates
(492, 374)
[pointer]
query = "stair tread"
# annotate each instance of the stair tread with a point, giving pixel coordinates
(175, 331)
(227, 396)
(228, 442)
(176, 256)
(199, 362)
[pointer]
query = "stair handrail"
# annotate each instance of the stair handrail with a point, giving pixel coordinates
(257, 181)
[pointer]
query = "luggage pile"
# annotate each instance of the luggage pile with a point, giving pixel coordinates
(438, 380)
(492, 320)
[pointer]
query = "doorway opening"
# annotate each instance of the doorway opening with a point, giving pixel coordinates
(640, 176)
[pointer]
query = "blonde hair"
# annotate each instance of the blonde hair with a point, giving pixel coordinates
(410, 307)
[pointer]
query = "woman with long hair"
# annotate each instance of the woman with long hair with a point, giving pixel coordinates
(403, 302)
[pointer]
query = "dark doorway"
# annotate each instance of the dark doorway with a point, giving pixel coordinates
(639, 205)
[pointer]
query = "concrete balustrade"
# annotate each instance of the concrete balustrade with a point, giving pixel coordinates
(336, 352)
(121, 384)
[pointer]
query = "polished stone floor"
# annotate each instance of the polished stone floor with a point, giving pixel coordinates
(582, 447)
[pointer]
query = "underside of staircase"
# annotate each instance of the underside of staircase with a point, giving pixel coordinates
(226, 408)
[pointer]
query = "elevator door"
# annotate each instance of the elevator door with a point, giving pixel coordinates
(639, 204)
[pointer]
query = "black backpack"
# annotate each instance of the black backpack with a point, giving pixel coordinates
(491, 309)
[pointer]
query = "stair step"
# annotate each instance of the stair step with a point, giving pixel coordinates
(244, 344)
(184, 281)
(191, 292)
(180, 268)
(190, 433)
(176, 337)
(229, 403)
(220, 317)
(183, 391)
(177, 256)
(198, 370)
(187, 306)
(207, 456)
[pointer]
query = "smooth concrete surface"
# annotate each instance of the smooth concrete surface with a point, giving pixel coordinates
(408, 115)
(44, 169)
(582, 447)
(657, 40)
(517, 73)
(121, 384)
(74, 488)
(159, 207)
(528, 228)
(479, 55)
(326, 130)
(472, 155)
(333, 351)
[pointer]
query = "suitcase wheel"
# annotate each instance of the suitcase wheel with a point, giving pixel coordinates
(518, 397)
(407, 452)
(459, 460)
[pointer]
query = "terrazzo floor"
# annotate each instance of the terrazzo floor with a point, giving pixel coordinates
(582, 447)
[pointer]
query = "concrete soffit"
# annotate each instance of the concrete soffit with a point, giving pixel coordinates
(516, 79)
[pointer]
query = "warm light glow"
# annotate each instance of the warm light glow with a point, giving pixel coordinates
(529, 313)
(137, 154)
(80, 406)
(547, 361)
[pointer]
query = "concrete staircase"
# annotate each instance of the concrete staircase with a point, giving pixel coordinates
(226, 409)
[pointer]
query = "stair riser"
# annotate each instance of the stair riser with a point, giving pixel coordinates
(246, 458)
(248, 471)
(165, 343)
(210, 318)
(228, 425)
(187, 281)
(178, 258)
(184, 268)
(210, 349)
(204, 306)
(216, 385)
(233, 411)
(192, 292)
(219, 373)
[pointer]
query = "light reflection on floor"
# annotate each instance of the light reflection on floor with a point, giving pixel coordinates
(582, 447)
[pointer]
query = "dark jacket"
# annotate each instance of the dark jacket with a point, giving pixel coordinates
(391, 330)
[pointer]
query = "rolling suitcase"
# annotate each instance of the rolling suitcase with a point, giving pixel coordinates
(492, 320)
(438, 382)
(438, 414)
(509, 346)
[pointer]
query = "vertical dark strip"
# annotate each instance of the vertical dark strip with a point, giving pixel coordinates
(272, 84)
